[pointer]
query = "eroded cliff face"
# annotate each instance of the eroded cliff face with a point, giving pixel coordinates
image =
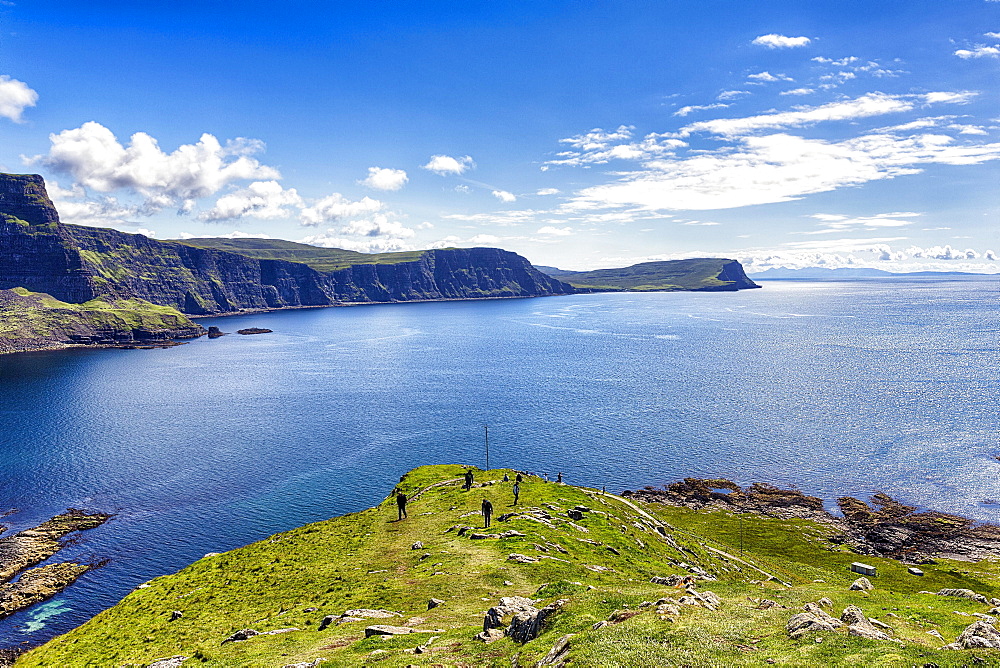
(75, 264)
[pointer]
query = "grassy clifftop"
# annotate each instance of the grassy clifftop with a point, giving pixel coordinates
(320, 259)
(591, 556)
(35, 321)
(707, 273)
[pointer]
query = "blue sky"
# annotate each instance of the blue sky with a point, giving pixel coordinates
(580, 134)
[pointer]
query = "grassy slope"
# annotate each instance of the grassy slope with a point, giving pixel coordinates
(652, 276)
(41, 315)
(365, 560)
(320, 259)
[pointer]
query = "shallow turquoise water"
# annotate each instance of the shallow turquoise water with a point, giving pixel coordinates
(838, 388)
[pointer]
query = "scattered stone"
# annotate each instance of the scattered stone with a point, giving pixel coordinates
(522, 558)
(963, 593)
(557, 654)
(386, 630)
(508, 583)
(986, 618)
(601, 624)
(481, 536)
(825, 603)
(879, 624)
(368, 613)
(434, 602)
(417, 546)
(861, 584)
(175, 615)
(253, 330)
(979, 634)
(995, 601)
(490, 635)
(510, 533)
(936, 634)
(169, 662)
(214, 332)
(305, 664)
(242, 634)
(913, 570)
(310, 609)
(597, 569)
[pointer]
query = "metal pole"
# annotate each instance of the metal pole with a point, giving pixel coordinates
(486, 427)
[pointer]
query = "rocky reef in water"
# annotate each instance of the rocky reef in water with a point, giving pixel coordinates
(76, 264)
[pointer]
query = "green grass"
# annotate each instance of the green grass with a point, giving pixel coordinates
(320, 259)
(41, 315)
(664, 276)
(365, 560)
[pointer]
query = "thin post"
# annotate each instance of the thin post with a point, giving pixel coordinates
(486, 428)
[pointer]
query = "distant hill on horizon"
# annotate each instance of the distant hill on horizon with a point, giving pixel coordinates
(782, 273)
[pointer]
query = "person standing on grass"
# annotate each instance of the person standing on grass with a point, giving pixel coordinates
(468, 480)
(517, 492)
(401, 505)
(487, 512)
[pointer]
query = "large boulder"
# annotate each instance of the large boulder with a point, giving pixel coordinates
(862, 584)
(508, 607)
(979, 634)
(812, 620)
(526, 625)
(859, 625)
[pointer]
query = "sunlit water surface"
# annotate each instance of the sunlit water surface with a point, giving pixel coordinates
(837, 388)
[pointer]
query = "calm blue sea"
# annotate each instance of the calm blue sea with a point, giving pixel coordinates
(834, 387)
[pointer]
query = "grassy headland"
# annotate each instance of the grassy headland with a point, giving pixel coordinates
(595, 554)
(664, 276)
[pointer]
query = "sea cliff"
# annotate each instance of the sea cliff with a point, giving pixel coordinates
(76, 264)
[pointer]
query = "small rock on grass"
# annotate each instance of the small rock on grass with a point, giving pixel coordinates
(862, 584)
(434, 602)
(169, 662)
(386, 630)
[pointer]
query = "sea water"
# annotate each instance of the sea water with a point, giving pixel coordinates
(834, 387)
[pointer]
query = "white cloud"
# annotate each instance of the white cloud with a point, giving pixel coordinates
(597, 138)
(555, 231)
(379, 225)
(547, 191)
(797, 91)
(462, 188)
(261, 199)
(77, 208)
(445, 164)
(701, 223)
(839, 224)
(383, 178)
(330, 239)
(768, 77)
(731, 94)
(15, 97)
(950, 97)
(776, 168)
(774, 41)
(95, 158)
(942, 253)
(994, 35)
(838, 62)
(872, 104)
(600, 152)
(979, 52)
(336, 207)
(504, 196)
(684, 111)
(239, 234)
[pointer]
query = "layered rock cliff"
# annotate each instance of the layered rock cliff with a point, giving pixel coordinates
(76, 264)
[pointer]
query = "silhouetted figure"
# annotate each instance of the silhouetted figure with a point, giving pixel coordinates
(518, 478)
(487, 512)
(559, 477)
(517, 491)
(401, 504)
(506, 478)
(468, 480)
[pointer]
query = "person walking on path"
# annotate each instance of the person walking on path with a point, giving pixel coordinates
(401, 505)
(517, 492)
(487, 512)
(468, 480)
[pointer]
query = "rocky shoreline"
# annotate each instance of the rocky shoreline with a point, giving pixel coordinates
(884, 528)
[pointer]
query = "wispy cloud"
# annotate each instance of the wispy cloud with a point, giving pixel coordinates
(446, 164)
(684, 111)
